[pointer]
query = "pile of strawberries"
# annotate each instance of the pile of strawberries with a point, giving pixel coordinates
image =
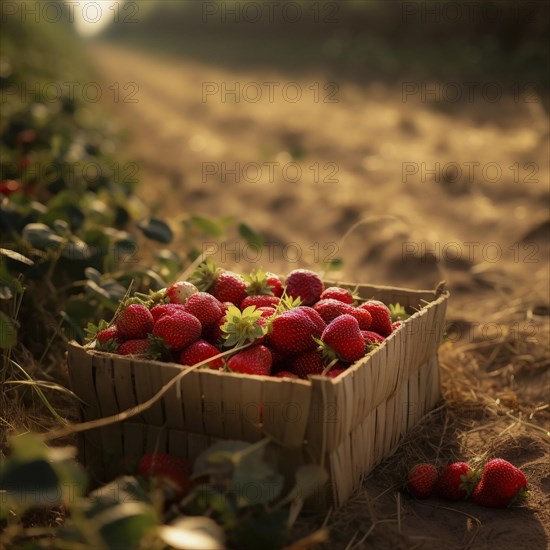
(501, 483)
(295, 329)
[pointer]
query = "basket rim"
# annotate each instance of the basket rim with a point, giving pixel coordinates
(439, 298)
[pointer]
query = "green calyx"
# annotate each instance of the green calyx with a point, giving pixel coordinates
(257, 284)
(469, 481)
(398, 312)
(92, 330)
(205, 275)
(242, 327)
(287, 303)
(328, 354)
(158, 348)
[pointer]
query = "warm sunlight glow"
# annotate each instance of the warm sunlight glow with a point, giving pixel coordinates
(92, 17)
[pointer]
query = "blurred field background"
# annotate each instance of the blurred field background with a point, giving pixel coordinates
(416, 152)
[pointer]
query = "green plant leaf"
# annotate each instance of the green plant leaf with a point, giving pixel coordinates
(41, 236)
(265, 531)
(255, 482)
(250, 236)
(193, 533)
(207, 226)
(12, 255)
(93, 274)
(8, 333)
(220, 452)
(156, 229)
(310, 478)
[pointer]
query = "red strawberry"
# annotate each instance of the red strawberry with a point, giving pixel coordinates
(330, 308)
(229, 287)
(172, 474)
(256, 360)
(381, 317)
(422, 479)
(307, 363)
(285, 374)
(396, 325)
(314, 317)
(337, 293)
(260, 301)
(214, 334)
(135, 347)
(267, 311)
(342, 338)
(501, 483)
(277, 357)
(371, 337)
(163, 309)
(274, 284)
(179, 292)
(105, 335)
(134, 322)
(199, 351)
(293, 332)
(333, 373)
(260, 283)
(205, 307)
(363, 317)
(455, 481)
(179, 330)
(304, 284)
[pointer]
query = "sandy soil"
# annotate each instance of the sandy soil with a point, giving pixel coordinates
(362, 158)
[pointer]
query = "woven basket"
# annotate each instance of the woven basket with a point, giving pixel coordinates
(348, 424)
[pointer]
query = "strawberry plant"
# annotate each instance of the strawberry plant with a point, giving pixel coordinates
(164, 502)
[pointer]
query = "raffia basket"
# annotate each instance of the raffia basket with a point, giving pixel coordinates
(348, 424)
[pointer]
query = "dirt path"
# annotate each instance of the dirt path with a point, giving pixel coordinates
(362, 152)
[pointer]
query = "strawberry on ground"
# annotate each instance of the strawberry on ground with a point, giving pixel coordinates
(260, 301)
(456, 481)
(200, 351)
(178, 331)
(421, 480)
(205, 307)
(342, 338)
(381, 317)
(304, 284)
(140, 346)
(337, 293)
(256, 360)
(293, 331)
(171, 474)
(307, 363)
(229, 287)
(134, 322)
(179, 292)
(500, 485)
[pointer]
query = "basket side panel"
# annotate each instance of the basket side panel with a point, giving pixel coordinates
(82, 377)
